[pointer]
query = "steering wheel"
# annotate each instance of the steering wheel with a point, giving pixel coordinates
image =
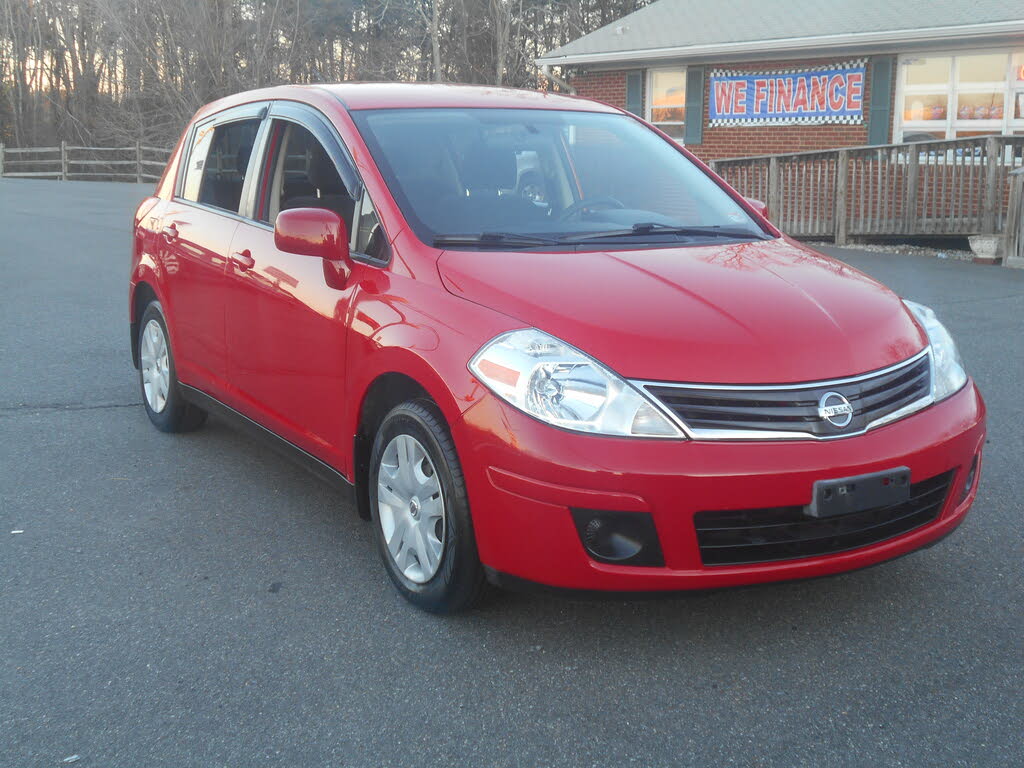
(592, 202)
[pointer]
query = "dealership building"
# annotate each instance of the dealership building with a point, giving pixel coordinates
(733, 78)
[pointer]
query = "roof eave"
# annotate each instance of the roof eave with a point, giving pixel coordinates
(960, 33)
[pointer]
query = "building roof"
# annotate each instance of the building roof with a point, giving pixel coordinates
(702, 30)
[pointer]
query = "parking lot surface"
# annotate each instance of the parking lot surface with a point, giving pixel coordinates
(197, 601)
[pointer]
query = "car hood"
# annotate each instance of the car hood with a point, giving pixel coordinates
(768, 311)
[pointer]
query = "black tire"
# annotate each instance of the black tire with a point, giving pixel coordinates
(459, 582)
(177, 415)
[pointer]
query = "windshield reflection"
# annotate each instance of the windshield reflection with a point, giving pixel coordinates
(463, 175)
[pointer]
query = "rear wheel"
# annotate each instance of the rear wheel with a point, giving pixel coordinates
(161, 395)
(421, 513)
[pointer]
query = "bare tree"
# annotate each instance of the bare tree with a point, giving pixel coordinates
(433, 22)
(96, 71)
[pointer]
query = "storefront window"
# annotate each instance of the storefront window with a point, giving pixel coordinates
(668, 96)
(924, 135)
(954, 96)
(928, 71)
(925, 106)
(984, 68)
(1017, 95)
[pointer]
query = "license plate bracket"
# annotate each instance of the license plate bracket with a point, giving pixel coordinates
(846, 495)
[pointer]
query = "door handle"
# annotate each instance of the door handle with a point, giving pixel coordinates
(243, 260)
(170, 232)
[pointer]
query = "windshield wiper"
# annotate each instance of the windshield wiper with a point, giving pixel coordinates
(654, 228)
(495, 240)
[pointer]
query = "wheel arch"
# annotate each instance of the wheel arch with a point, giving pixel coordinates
(142, 293)
(383, 393)
(412, 360)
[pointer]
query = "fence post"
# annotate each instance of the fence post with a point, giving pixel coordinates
(988, 211)
(138, 162)
(63, 161)
(2, 148)
(842, 181)
(1013, 242)
(910, 201)
(773, 202)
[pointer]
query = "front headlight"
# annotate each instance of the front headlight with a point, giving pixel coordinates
(557, 383)
(948, 374)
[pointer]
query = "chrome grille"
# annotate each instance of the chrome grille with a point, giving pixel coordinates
(788, 411)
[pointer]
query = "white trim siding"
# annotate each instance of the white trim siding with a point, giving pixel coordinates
(965, 33)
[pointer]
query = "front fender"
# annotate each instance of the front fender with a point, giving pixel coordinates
(418, 329)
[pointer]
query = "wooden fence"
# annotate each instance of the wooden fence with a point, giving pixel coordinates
(956, 187)
(1013, 255)
(138, 163)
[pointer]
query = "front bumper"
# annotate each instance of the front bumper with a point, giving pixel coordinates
(523, 478)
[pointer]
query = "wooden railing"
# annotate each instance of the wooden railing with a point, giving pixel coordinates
(956, 187)
(138, 163)
(1013, 255)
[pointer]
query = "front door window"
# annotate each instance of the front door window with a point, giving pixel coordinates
(302, 175)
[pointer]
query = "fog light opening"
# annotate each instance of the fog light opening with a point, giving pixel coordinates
(972, 474)
(601, 539)
(619, 538)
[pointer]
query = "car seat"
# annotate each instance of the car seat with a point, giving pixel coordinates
(328, 189)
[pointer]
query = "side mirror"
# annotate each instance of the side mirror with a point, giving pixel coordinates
(758, 205)
(312, 232)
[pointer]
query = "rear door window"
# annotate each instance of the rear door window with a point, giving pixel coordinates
(219, 162)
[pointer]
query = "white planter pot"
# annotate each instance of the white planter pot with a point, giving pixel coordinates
(986, 247)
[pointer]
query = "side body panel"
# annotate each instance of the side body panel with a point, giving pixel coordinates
(193, 259)
(145, 267)
(286, 328)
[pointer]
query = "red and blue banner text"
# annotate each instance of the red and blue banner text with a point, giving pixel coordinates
(827, 95)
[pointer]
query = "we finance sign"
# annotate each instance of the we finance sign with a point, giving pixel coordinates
(827, 95)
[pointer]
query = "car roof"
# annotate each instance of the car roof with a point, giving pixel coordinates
(409, 95)
(356, 96)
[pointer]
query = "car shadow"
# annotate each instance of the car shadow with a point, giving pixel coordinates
(743, 621)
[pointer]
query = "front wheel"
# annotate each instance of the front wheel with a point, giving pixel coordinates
(421, 513)
(161, 396)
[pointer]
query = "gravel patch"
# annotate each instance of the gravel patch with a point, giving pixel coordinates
(904, 248)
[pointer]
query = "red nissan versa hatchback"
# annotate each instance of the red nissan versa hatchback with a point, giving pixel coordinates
(544, 343)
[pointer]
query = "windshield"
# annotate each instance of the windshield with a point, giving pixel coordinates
(533, 178)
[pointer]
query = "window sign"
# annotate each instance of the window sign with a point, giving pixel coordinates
(789, 97)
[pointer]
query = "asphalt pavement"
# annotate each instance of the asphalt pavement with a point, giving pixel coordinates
(193, 600)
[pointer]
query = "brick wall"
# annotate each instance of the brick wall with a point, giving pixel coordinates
(738, 141)
(606, 86)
